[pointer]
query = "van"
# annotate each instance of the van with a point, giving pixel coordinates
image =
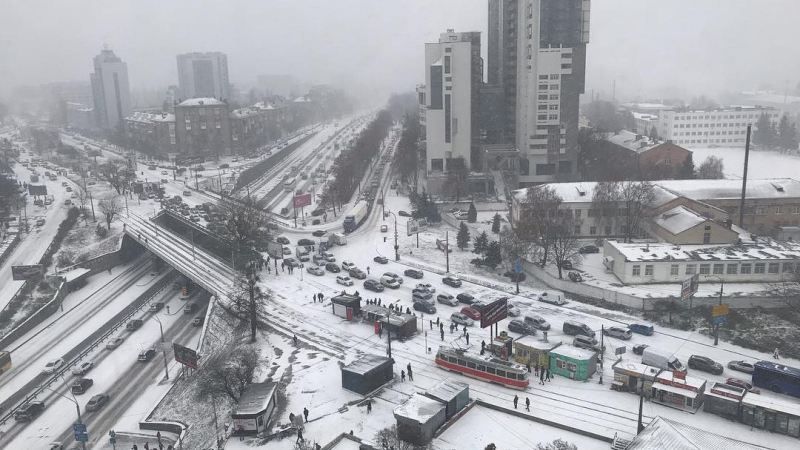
(662, 360)
(81, 385)
(190, 308)
(641, 328)
(575, 328)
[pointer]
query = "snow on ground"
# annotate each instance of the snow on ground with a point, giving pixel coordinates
(762, 163)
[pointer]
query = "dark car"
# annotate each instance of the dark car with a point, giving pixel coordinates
(97, 402)
(515, 276)
(451, 281)
(147, 355)
(133, 325)
(332, 267)
(198, 321)
(589, 249)
(357, 273)
(465, 298)
(743, 385)
(639, 349)
(29, 411)
(381, 259)
(413, 273)
(283, 240)
(519, 326)
(566, 265)
(373, 285)
(425, 307)
(81, 385)
(575, 276)
(705, 364)
(319, 233)
(303, 241)
(403, 214)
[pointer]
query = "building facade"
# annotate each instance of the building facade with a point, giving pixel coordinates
(110, 90)
(152, 133)
(654, 158)
(202, 128)
(203, 75)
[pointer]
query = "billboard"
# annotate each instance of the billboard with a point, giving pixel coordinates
(416, 225)
(494, 312)
(275, 250)
(37, 189)
(185, 355)
(301, 200)
(26, 272)
(689, 287)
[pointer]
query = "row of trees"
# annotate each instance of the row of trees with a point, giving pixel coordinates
(406, 156)
(783, 136)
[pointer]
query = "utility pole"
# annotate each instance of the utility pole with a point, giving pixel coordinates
(744, 177)
(396, 246)
(640, 425)
(447, 250)
(251, 281)
(166, 371)
(716, 324)
(389, 339)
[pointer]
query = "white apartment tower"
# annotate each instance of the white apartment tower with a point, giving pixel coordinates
(203, 75)
(110, 90)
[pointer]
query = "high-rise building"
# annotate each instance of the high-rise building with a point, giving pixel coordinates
(453, 77)
(110, 89)
(203, 75)
(537, 53)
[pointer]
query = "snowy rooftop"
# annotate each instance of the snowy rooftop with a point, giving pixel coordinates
(632, 141)
(773, 403)
(573, 352)
(690, 383)
(665, 433)
(263, 105)
(447, 390)
(255, 398)
(302, 99)
(418, 408)
(644, 116)
(771, 250)
(678, 219)
(145, 117)
(248, 111)
(207, 101)
(535, 342)
(364, 364)
(637, 368)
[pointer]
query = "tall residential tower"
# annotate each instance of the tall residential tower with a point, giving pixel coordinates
(110, 90)
(203, 75)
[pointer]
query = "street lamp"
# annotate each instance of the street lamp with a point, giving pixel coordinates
(396, 246)
(77, 408)
(716, 324)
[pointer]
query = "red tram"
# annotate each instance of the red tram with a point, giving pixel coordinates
(489, 368)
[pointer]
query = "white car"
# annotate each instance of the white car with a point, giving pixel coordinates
(447, 299)
(397, 277)
(390, 282)
(347, 266)
(461, 319)
(553, 299)
(513, 310)
(53, 365)
(425, 287)
(329, 257)
(82, 368)
(315, 270)
(344, 280)
(384, 228)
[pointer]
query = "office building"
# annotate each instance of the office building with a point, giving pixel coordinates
(724, 127)
(110, 90)
(537, 53)
(203, 75)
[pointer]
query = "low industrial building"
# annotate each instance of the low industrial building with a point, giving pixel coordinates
(418, 418)
(401, 325)
(346, 306)
(573, 362)
(533, 351)
(652, 156)
(634, 377)
(454, 395)
(663, 433)
(724, 399)
(367, 373)
(254, 409)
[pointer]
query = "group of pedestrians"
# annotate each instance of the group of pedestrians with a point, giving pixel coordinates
(403, 375)
(287, 267)
(318, 297)
(527, 403)
(542, 372)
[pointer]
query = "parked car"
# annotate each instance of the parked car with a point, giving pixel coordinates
(451, 281)
(618, 332)
(575, 328)
(553, 299)
(515, 276)
(425, 307)
(97, 402)
(641, 328)
(537, 322)
(639, 349)
(384, 228)
(425, 287)
(332, 267)
(319, 233)
(147, 355)
(465, 298)
(589, 249)
(513, 310)
(566, 265)
(81, 385)
(315, 270)
(521, 327)
(373, 285)
(705, 364)
(347, 265)
(741, 366)
(394, 275)
(114, 343)
(287, 250)
(471, 312)
(461, 319)
(447, 299)
(586, 342)
(402, 213)
(344, 280)
(198, 321)
(283, 240)
(390, 282)
(421, 296)
(575, 276)
(28, 411)
(380, 259)
(738, 382)
(52, 366)
(82, 368)
(133, 325)
(413, 273)
(303, 242)
(357, 273)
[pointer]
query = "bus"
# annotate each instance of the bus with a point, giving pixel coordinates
(777, 377)
(5, 361)
(289, 184)
(484, 367)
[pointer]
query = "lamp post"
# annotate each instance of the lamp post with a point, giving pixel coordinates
(396, 245)
(716, 324)
(77, 409)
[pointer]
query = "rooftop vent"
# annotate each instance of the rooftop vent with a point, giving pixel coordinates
(777, 187)
(580, 190)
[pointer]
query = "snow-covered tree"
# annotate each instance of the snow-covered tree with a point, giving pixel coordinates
(481, 243)
(496, 223)
(110, 207)
(462, 238)
(472, 213)
(711, 169)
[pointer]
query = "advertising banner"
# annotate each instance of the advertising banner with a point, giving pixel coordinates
(26, 272)
(302, 200)
(689, 287)
(185, 355)
(494, 312)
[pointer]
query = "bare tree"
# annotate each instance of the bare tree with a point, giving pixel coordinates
(558, 444)
(513, 247)
(115, 173)
(389, 438)
(110, 207)
(539, 216)
(228, 373)
(605, 203)
(712, 169)
(247, 301)
(243, 221)
(637, 197)
(564, 243)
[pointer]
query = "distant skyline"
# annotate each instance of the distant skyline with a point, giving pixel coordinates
(651, 48)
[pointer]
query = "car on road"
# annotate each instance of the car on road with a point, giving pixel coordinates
(618, 332)
(471, 312)
(641, 328)
(114, 343)
(537, 322)
(588, 249)
(302, 242)
(521, 327)
(513, 310)
(283, 240)
(394, 275)
(566, 265)
(332, 267)
(402, 213)
(413, 273)
(425, 287)
(156, 306)
(586, 342)
(575, 276)
(447, 299)
(738, 382)
(147, 355)
(357, 273)
(53, 366)
(198, 321)
(39, 222)
(286, 250)
(741, 366)
(344, 280)
(705, 364)
(28, 411)
(380, 259)
(425, 307)
(81, 385)
(421, 296)
(461, 319)
(97, 402)
(373, 285)
(82, 368)
(348, 265)
(134, 325)
(639, 349)
(319, 233)
(315, 270)
(164, 172)
(465, 298)
(451, 281)
(390, 282)
(384, 228)
(67, 202)
(69, 189)
(551, 299)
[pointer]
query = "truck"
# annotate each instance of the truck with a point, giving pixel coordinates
(302, 253)
(336, 238)
(356, 216)
(662, 360)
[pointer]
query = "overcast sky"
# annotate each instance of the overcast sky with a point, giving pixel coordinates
(648, 46)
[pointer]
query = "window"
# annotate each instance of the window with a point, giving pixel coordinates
(545, 169)
(554, 76)
(691, 269)
(608, 230)
(707, 237)
(578, 213)
(447, 64)
(761, 211)
(541, 107)
(501, 373)
(447, 124)
(543, 97)
(471, 365)
(637, 270)
(542, 77)
(553, 117)
(448, 50)
(705, 269)
(759, 268)
(718, 269)
(553, 107)
(554, 86)
(778, 210)
(542, 87)
(577, 229)
(788, 267)
(592, 231)
(673, 270)
(437, 165)
(553, 96)
(773, 267)
(491, 370)
(732, 269)
(541, 117)
(648, 270)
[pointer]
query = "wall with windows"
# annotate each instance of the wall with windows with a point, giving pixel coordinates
(724, 127)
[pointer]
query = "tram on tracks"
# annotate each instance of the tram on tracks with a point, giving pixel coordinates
(483, 367)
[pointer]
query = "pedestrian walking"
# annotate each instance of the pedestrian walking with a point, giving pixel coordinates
(146, 446)
(431, 324)
(527, 404)
(483, 344)
(314, 298)
(536, 370)
(547, 375)
(516, 400)
(528, 367)
(367, 270)
(294, 339)
(410, 375)
(321, 297)
(167, 309)
(380, 332)
(467, 336)
(305, 414)
(541, 377)
(299, 436)
(437, 321)
(402, 375)
(776, 354)
(283, 266)
(465, 329)
(441, 331)
(135, 447)
(369, 406)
